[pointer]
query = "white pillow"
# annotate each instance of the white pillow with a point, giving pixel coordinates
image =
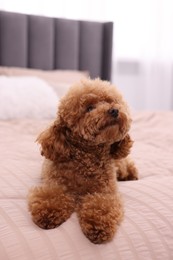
(26, 97)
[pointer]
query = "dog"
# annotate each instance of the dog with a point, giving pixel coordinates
(86, 151)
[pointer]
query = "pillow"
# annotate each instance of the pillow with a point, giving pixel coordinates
(26, 97)
(60, 80)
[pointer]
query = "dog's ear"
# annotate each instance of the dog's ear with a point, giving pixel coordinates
(53, 143)
(121, 149)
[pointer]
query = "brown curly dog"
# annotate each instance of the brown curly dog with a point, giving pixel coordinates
(84, 149)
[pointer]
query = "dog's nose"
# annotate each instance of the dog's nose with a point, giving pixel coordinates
(113, 112)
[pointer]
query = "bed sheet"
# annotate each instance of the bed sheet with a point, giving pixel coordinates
(147, 229)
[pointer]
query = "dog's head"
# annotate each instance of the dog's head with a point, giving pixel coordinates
(93, 111)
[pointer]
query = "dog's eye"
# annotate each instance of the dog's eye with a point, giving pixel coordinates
(90, 108)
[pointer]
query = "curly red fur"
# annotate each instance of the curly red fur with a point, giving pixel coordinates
(85, 147)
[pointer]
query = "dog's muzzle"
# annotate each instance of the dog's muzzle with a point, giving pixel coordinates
(113, 112)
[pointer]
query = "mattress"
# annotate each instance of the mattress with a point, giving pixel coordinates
(147, 229)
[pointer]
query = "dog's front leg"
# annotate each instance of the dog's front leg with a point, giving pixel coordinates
(50, 206)
(99, 216)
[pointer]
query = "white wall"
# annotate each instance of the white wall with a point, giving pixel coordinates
(130, 83)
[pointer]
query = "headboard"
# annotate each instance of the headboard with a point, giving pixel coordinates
(47, 43)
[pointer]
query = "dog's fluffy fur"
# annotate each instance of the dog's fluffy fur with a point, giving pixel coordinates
(86, 149)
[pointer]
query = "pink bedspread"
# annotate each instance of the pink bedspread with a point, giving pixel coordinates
(147, 229)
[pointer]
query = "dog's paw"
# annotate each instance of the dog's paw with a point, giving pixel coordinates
(99, 216)
(129, 177)
(49, 206)
(126, 170)
(99, 234)
(47, 219)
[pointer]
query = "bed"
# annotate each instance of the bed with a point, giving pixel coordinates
(40, 57)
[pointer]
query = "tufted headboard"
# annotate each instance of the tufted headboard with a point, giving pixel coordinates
(47, 43)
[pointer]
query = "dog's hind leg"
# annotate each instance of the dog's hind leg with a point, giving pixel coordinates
(126, 170)
(50, 206)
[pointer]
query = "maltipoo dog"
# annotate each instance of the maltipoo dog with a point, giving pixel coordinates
(85, 152)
